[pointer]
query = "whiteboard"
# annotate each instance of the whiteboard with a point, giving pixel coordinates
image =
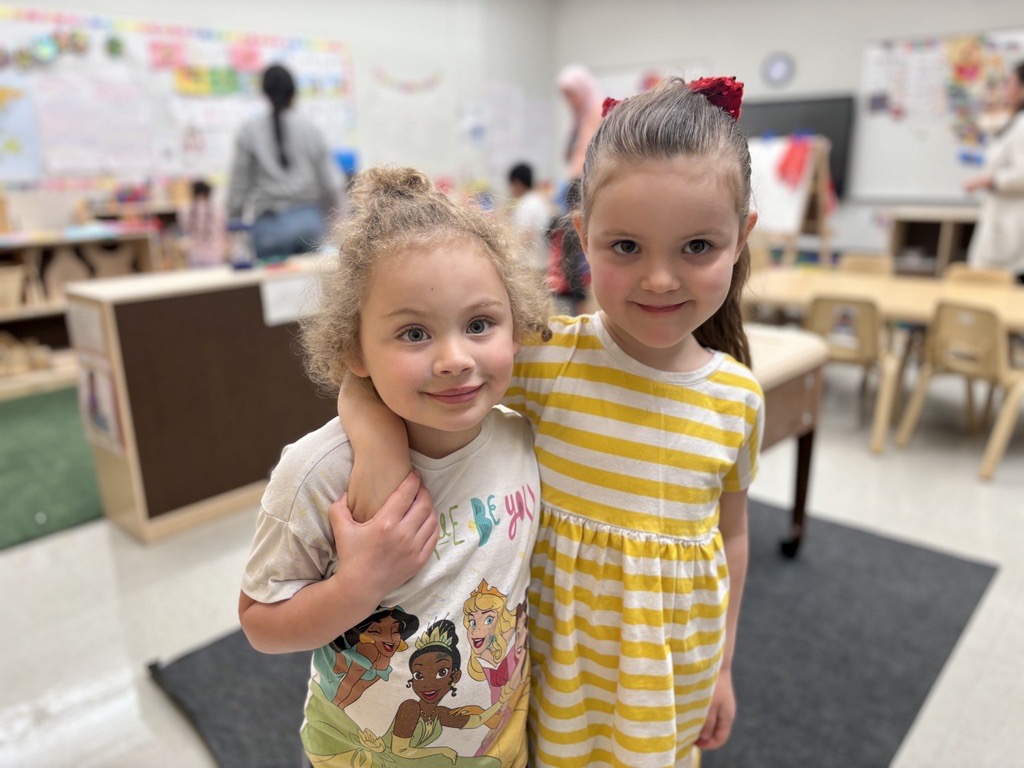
(926, 110)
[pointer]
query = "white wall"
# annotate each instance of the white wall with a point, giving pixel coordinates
(825, 37)
(497, 59)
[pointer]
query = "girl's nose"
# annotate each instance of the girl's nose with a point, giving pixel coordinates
(452, 357)
(659, 277)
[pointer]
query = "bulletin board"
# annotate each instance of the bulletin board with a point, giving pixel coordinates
(926, 110)
(85, 98)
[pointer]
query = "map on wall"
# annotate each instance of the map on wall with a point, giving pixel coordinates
(93, 97)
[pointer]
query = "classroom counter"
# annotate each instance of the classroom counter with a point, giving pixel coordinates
(190, 385)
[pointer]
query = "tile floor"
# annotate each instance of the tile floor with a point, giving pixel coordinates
(86, 610)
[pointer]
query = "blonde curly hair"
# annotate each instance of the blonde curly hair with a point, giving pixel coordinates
(397, 210)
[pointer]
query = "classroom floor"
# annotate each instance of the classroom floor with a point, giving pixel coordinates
(86, 610)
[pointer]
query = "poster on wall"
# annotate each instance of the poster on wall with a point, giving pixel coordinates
(88, 97)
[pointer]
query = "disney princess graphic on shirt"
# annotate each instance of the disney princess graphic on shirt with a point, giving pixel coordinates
(363, 654)
(436, 667)
(497, 647)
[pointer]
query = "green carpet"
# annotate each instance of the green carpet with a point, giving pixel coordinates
(47, 477)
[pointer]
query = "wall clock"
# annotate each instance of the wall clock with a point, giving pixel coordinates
(778, 69)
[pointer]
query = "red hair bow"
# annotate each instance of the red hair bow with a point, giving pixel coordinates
(723, 92)
(608, 105)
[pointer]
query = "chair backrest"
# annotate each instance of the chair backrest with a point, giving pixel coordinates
(968, 340)
(852, 327)
(960, 270)
(873, 263)
(760, 252)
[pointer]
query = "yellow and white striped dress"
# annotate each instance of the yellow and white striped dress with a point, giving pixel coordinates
(629, 579)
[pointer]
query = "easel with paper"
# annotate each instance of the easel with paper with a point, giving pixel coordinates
(792, 193)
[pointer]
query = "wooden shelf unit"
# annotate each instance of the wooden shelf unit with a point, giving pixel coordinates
(927, 239)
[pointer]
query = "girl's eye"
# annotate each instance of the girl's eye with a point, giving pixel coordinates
(698, 247)
(442, 673)
(480, 325)
(417, 675)
(413, 334)
(626, 247)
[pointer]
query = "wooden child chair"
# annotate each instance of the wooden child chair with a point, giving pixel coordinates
(972, 342)
(964, 272)
(856, 334)
(868, 263)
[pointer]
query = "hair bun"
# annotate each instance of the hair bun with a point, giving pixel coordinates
(388, 181)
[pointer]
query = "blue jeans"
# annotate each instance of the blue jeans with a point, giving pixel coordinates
(288, 233)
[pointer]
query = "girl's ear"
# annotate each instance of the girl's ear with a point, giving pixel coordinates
(751, 223)
(358, 369)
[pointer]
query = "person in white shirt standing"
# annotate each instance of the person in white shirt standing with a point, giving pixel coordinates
(998, 239)
(531, 216)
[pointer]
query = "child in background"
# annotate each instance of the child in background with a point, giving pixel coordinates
(647, 428)
(203, 226)
(428, 303)
(531, 215)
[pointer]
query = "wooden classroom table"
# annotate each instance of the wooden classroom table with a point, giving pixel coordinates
(789, 363)
(190, 384)
(900, 298)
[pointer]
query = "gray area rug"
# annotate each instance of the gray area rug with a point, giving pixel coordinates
(837, 651)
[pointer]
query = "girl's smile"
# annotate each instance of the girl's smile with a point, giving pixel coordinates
(458, 395)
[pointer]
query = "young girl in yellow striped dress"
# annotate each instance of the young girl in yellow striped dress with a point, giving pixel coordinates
(647, 427)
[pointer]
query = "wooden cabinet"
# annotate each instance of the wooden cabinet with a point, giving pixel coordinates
(32, 307)
(190, 385)
(925, 240)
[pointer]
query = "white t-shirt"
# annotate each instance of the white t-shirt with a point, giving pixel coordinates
(532, 214)
(487, 495)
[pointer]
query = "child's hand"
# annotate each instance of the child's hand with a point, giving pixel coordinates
(721, 716)
(385, 552)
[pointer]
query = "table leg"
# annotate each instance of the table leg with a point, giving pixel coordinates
(804, 448)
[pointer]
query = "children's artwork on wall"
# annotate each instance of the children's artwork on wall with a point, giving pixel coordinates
(84, 97)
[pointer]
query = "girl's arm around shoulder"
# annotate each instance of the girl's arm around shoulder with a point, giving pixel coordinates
(374, 558)
(380, 445)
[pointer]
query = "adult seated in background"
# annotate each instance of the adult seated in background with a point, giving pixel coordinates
(998, 239)
(283, 173)
(531, 217)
